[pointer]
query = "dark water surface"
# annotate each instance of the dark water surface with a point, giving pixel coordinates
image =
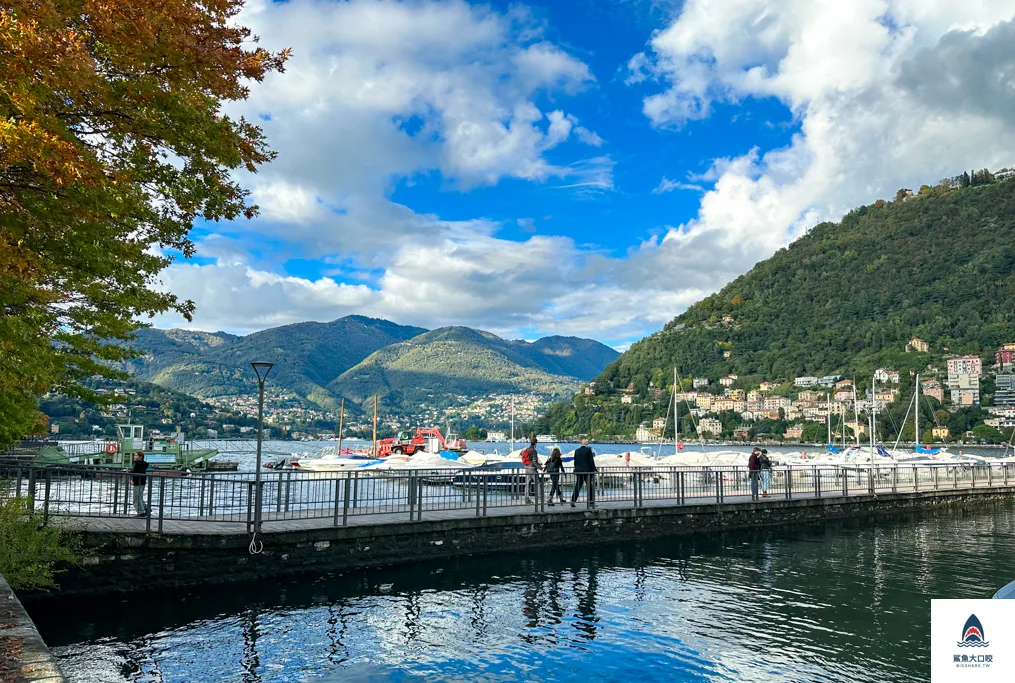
(836, 602)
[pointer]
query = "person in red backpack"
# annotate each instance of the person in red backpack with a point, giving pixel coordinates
(530, 461)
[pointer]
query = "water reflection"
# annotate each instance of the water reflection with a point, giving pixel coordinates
(846, 602)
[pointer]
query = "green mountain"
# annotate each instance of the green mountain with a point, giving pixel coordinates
(307, 356)
(459, 361)
(847, 296)
(355, 357)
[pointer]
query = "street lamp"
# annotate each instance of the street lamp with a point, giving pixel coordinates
(261, 368)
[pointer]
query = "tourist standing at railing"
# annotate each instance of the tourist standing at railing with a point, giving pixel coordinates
(138, 480)
(530, 459)
(753, 469)
(766, 472)
(585, 473)
(555, 467)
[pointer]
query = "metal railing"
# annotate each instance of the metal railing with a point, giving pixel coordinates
(342, 498)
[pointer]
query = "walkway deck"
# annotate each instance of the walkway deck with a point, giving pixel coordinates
(282, 523)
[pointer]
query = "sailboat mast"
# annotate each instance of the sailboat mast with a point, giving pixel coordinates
(375, 427)
(917, 416)
(676, 414)
(828, 417)
(341, 420)
(874, 411)
(512, 424)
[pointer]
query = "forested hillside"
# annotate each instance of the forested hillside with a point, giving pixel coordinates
(355, 357)
(847, 296)
(843, 299)
(459, 361)
(307, 356)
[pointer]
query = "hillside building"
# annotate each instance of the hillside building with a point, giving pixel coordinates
(659, 423)
(965, 365)
(1004, 395)
(805, 381)
(828, 380)
(918, 345)
(644, 433)
(933, 388)
(728, 380)
(1005, 357)
(939, 432)
(811, 396)
(699, 382)
(710, 427)
(794, 433)
(627, 398)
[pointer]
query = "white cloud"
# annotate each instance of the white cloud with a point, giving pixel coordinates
(666, 185)
(887, 94)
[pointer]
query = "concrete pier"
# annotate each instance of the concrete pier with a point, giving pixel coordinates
(24, 657)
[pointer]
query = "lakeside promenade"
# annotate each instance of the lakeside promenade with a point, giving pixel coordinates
(204, 528)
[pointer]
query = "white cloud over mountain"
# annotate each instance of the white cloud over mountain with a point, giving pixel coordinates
(885, 95)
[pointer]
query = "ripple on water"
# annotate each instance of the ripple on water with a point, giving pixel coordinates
(842, 602)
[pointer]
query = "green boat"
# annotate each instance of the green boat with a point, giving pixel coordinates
(163, 452)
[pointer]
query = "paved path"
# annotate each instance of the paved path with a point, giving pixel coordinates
(276, 523)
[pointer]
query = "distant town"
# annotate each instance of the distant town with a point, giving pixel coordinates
(804, 406)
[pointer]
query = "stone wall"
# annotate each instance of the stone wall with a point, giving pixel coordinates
(126, 562)
(24, 657)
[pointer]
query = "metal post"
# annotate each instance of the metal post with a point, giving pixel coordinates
(250, 506)
(955, 477)
(845, 482)
(419, 498)
(45, 504)
(972, 477)
(486, 487)
(345, 502)
(935, 478)
(200, 498)
(540, 498)
(990, 475)
(680, 487)
(788, 482)
(148, 506)
(262, 369)
(335, 517)
(355, 488)
(278, 492)
(288, 484)
(895, 479)
(477, 482)
(211, 495)
(162, 498)
(916, 478)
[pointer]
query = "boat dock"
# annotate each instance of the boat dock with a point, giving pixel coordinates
(213, 527)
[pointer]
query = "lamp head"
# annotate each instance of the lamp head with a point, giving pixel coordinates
(262, 368)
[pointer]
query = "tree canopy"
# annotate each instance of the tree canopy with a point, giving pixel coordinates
(112, 143)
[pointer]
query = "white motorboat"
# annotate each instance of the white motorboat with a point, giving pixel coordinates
(330, 460)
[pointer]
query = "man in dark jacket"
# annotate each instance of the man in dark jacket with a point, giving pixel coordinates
(137, 481)
(585, 473)
(753, 469)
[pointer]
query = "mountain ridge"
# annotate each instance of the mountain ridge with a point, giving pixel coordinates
(356, 356)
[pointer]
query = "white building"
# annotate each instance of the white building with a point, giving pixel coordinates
(643, 433)
(806, 381)
(710, 426)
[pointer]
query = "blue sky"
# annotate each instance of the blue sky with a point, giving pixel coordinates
(584, 168)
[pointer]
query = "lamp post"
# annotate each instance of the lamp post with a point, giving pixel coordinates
(261, 368)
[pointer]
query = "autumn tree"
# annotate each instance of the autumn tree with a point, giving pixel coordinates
(112, 143)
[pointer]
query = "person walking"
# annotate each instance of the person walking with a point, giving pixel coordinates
(766, 472)
(753, 468)
(585, 473)
(138, 480)
(555, 467)
(530, 461)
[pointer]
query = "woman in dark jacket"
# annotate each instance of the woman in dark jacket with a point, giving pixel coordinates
(555, 466)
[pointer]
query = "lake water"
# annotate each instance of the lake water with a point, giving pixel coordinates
(243, 452)
(836, 602)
